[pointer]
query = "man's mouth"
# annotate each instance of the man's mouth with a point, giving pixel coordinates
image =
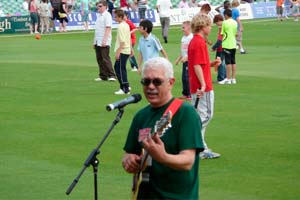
(152, 93)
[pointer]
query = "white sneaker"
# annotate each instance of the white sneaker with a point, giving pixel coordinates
(120, 92)
(36, 32)
(227, 81)
(209, 154)
(242, 51)
(111, 79)
(98, 79)
(233, 81)
(222, 82)
(134, 69)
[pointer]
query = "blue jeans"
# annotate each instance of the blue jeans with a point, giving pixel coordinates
(121, 72)
(185, 80)
(222, 68)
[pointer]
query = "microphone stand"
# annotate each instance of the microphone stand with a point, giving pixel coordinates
(92, 158)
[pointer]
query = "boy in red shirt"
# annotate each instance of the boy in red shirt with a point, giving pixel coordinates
(200, 76)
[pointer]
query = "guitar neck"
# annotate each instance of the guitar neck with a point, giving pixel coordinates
(146, 155)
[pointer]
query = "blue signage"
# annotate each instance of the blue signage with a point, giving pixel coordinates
(264, 9)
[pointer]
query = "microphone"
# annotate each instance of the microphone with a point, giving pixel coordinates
(120, 104)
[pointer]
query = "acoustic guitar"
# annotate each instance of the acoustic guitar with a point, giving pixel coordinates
(142, 175)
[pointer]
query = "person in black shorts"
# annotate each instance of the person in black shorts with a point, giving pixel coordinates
(229, 32)
(63, 16)
(55, 8)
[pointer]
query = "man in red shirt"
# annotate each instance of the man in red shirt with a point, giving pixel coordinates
(200, 75)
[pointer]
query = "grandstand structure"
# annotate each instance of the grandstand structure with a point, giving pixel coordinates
(15, 8)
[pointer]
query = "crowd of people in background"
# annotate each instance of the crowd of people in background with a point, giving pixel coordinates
(149, 46)
(44, 13)
(229, 39)
(285, 8)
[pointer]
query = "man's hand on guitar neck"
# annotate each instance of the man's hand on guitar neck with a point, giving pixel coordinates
(131, 162)
(156, 148)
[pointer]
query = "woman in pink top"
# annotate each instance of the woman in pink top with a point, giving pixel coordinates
(33, 16)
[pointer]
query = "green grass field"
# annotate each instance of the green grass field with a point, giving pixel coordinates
(52, 114)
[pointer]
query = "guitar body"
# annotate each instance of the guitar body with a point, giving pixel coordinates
(136, 182)
(141, 176)
(140, 180)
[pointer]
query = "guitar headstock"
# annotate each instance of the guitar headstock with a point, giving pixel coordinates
(163, 124)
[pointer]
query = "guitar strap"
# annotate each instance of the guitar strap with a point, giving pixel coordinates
(173, 107)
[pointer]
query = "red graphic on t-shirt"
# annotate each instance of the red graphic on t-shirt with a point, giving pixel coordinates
(144, 133)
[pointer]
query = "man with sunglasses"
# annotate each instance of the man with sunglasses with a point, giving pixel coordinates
(174, 156)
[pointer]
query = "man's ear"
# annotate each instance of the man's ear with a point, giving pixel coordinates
(172, 82)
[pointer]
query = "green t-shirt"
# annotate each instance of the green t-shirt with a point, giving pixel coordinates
(229, 30)
(185, 133)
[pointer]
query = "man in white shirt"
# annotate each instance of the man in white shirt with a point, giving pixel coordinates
(102, 42)
(164, 10)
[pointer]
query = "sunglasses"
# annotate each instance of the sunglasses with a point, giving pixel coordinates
(99, 6)
(156, 81)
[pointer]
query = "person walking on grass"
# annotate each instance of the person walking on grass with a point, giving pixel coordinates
(279, 9)
(183, 58)
(236, 16)
(54, 13)
(149, 45)
(132, 27)
(221, 78)
(200, 76)
(229, 32)
(63, 16)
(122, 51)
(163, 8)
